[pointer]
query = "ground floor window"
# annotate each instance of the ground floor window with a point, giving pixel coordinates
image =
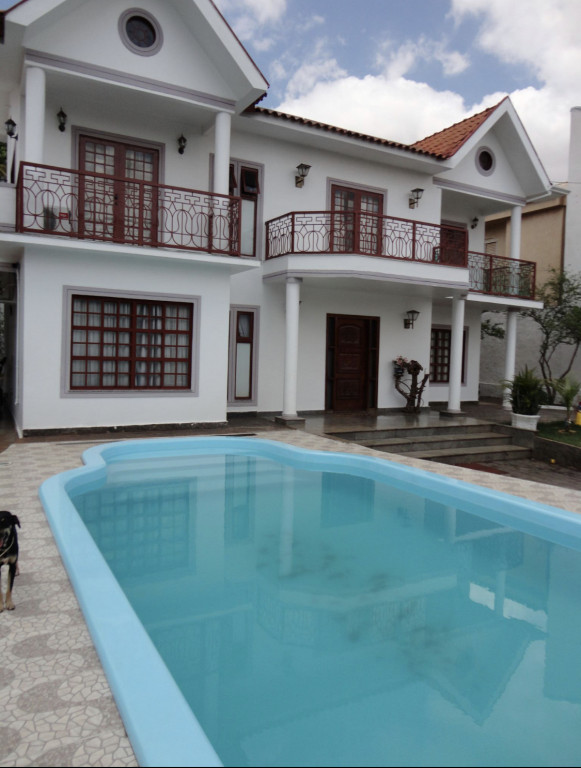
(130, 344)
(440, 355)
(242, 368)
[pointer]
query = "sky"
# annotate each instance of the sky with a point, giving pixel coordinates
(403, 69)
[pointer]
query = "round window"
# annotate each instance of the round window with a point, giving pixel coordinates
(485, 161)
(140, 32)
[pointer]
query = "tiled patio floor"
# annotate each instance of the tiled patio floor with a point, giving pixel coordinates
(57, 708)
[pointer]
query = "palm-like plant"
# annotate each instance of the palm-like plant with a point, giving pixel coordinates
(567, 388)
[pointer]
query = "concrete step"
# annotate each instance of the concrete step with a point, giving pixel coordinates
(359, 435)
(480, 455)
(435, 442)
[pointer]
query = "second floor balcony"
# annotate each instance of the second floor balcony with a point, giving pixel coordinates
(388, 237)
(96, 206)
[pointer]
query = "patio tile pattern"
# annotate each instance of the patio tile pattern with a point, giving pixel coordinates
(57, 707)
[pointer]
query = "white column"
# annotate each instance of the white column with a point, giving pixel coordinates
(515, 231)
(510, 355)
(34, 113)
(515, 239)
(291, 355)
(222, 153)
(455, 383)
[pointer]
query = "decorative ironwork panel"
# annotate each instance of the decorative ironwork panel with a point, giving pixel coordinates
(96, 206)
(501, 276)
(367, 234)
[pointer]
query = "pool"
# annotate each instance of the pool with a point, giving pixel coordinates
(254, 603)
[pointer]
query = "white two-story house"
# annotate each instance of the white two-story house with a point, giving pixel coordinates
(172, 252)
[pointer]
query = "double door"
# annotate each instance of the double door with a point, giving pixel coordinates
(357, 221)
(118, 191)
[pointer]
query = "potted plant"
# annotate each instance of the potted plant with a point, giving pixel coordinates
(527, 394)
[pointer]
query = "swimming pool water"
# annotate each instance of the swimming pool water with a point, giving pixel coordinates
(321, 613)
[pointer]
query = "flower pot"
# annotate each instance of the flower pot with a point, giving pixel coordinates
(525, 421)
(398, 371)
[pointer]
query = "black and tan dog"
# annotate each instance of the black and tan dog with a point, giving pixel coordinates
(8, 555)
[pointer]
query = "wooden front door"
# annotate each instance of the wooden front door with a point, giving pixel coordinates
(118, 194)
(351, 362)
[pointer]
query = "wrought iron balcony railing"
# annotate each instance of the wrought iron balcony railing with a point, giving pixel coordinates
(501, 276)
(94, 206)
(337, 232)
(319, 232)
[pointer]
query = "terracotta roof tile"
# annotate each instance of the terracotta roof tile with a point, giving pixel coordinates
(446, 143)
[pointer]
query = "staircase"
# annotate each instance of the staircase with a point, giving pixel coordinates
(448, 443)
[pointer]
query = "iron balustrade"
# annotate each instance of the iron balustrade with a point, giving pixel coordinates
(95, 206)
(501, 276)
(368, 234)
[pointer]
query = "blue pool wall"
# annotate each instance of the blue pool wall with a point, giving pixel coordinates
(159, 722)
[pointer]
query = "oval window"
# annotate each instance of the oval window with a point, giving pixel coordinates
(140, 32)
(485, 161)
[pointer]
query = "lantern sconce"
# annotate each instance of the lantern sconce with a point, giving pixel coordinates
(182, 141)
(302, 173)
(474, 223)
(415, 197)
(10, 127)
(412, 316)
(61, 116)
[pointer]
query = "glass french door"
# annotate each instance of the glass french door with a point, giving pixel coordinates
(356, 226)
(118, 192)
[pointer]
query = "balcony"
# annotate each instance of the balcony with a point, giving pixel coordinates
(93, 206)
(501, 276)
(387, 237)
(366, 234)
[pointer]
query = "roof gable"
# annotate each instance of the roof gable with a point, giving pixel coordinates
(446, 143)
(217, 64)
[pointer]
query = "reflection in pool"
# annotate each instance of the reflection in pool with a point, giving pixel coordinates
(326, 609)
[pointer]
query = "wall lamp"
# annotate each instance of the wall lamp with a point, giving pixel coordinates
(61, 116)
(412, 316)
(182, 141)
(474, 223)
(415, 197)
(10, 126)
(302, 173)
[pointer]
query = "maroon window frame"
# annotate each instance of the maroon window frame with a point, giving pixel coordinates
(440, 355)
(130, 344)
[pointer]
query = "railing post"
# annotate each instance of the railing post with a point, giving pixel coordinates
(293, 244)
(490, 268)
(413, 240)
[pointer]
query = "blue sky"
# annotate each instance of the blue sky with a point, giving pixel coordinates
(402, 69)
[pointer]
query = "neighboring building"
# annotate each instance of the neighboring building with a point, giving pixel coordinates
(166, 259)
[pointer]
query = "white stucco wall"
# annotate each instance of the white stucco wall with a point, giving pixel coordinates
(46, 406)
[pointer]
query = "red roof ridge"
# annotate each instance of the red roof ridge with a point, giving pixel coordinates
(447, 142)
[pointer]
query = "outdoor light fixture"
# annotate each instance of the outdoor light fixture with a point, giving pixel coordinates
(474, 223)
(302, 173)
(412, 316)
(182, 141)
(61, 116)
(10, 126)
(415, 197)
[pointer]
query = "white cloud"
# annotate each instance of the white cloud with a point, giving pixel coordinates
(261, 11)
